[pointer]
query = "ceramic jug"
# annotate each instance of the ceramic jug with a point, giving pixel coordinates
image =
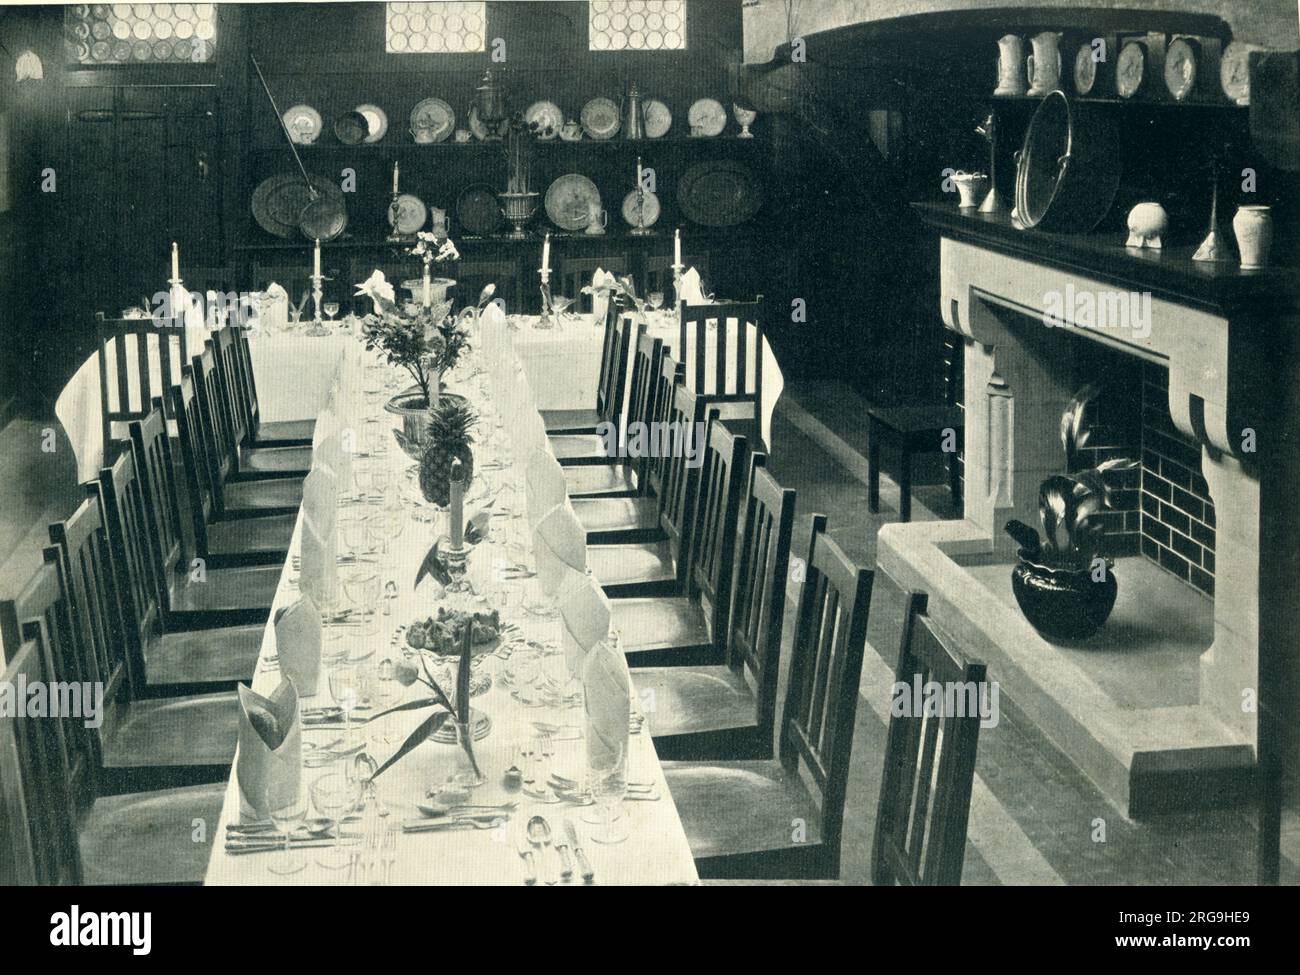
(1044, 64)
(1010, 62)
(1253, 226)
(598, 222)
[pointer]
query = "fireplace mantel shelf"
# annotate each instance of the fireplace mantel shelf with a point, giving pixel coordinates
(1220, 287)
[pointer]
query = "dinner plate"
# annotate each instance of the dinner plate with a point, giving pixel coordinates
(707, 117)
(304, 124)
(651, 207)
(278, 201)
(376, 121)
(411, 214)
(351, 128)
(570, 201)
(548, 117)
(600, 118)
(477, 125)
(432, 120)
(658, 118)
(719, 193)
(477, 210)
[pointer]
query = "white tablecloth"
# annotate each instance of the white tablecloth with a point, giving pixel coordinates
(655, 853)
(563, 363)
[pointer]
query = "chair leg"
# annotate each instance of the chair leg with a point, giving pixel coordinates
(873, 467)
(905, 485)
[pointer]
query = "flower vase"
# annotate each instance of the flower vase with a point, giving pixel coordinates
(466, 772)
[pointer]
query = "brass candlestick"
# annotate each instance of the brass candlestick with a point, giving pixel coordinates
(640, 230)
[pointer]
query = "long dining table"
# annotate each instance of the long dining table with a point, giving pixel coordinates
(656, 850)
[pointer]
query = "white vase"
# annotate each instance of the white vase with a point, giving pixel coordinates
(1253, 226)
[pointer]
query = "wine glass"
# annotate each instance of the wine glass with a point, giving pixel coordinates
(385, 691)
(331, 308)
(355, 537)
(346, 689)
(560, 305)
(287, 814)
(335, 795)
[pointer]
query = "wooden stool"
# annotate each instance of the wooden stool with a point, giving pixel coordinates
(910, 430)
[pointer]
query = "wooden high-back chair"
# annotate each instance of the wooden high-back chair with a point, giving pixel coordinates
(576, 274)
(146, 357)
(278, 433)
(701, 328)
(924, 804)
(38, 835)
(821, 700)
(758, 591)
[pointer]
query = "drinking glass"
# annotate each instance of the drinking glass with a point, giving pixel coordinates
(607, 776)
(385, 691)
(361, 478)
(362, 589)
(287, 814)
(335, 795)
(331, 308)
(355, 537)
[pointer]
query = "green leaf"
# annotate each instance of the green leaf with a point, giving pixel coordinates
(416, 737)
(433, 566)
(426, 702)
(464, 671)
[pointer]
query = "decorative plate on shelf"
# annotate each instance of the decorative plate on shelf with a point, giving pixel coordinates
(1234, 73)
(407, 214)
(304, 124)
(477, 126)
(278, 201)
(1085, 70)
(570, 201)
(719, 193)
(432, 120)
(548, 117)
(650, 204)
(658, 118)
(1131, 69)
(1180, 68)
(351, 128)
(600, 118)
(477, 210)
(376, 121)
(707, 117)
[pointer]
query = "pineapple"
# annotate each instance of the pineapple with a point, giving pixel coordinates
(449, 436)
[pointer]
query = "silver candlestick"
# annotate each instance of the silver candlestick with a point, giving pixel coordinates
(317, 293)
(548, 317)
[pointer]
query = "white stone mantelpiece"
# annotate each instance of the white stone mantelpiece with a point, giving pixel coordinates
(1019, 376)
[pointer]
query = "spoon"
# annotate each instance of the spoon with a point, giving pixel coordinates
(539, 834)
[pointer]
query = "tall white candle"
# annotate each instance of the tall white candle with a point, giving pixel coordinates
(456, 513)
(546, 252)
(395, 172)
(638, 174)
(316, 263)
(427, 294)
(677, 247)
(176, 261)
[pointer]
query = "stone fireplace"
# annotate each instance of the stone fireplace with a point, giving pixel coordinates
(1161, 708)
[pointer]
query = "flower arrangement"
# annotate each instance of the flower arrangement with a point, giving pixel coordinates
(1072, 539)
(422, 340)
(446, 708)
(620, 290)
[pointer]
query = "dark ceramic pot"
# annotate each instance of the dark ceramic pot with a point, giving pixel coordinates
(1063, 604)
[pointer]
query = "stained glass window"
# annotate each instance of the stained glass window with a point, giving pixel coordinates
(637, 25)
(121, 33)
(438, 27)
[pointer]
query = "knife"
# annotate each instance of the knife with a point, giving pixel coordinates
(566, 859)
(572, 832)
(526, 852)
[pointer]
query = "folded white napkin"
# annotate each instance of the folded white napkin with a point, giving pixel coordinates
(297, 644)
(81, 413)
(274, 311)
(584, 615)
(600, 305)
(319, 540)
(559, 543)
(546, 485)
(270, 750)
(692, 292)
(607, 694)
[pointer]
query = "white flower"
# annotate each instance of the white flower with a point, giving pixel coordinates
(448, 252)
(377, 287)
